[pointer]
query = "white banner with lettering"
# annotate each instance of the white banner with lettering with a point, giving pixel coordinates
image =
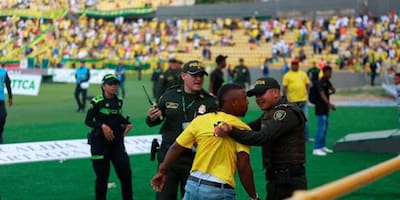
(62, 150)
(68, 75)
(25, 84)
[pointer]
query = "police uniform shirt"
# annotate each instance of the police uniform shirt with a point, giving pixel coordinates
(179, 108)
(241, 74)
(281, 135)
(168, 79)
(106, 111)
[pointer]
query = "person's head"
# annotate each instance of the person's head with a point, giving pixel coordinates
(109, 85)
(327, 71)
(241, 61)
(82, 62)
(295, 65)
(174, 64)
(193, 76)
(120, 64)
(221, 61)
(267, 93)
(396, 78)
(232, 99)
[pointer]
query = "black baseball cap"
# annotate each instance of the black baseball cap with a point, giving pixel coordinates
(220, 58)
(262, 85)
(174, 60)
(110, 78)
(194, 67)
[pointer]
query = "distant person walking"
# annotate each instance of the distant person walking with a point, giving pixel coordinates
(265, 68)
(241, 74)
(217, 76)
(4, 80)
(82, 76)
(120, 71)
(373, 66)
(295, 87)
(155, 76)
(322, 107)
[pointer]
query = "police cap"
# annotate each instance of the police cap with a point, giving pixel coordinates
(262, 85)
(110, 79)
(194, 67)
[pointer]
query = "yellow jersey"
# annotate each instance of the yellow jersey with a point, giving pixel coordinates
(216, 156)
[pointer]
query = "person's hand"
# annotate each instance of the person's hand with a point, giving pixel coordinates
(108, 133)
(223, 129)
(332, 106)
(158, 181)
(128, 127)
(154, 113)
(10, 101)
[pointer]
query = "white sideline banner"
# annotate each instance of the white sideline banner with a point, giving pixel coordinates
(68, 75)
(62, 150)
(25, 84)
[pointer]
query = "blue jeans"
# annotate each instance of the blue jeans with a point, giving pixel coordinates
(322, 130)
(304, 107)
(196, 191)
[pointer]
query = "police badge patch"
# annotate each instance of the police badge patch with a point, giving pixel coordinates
(279, 115)
(202, 109)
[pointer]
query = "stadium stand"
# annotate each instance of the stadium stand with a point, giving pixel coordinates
(346, 42)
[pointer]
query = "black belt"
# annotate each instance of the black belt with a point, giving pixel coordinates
(210, 183)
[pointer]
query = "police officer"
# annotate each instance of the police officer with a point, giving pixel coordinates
(241, 74)
(107, 138)
(168, 78)
(4, 80)
(280, 132)
(178, 106)
(82, 76)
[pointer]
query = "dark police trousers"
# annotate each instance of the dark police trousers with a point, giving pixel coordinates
(81, 102)
(283, 182)
(103, 152)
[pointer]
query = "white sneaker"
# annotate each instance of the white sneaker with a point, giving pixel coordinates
(327, 150)
(319, 152)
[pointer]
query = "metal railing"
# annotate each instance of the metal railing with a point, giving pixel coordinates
(350, 183)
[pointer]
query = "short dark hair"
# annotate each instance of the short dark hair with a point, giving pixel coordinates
(397, 74)
(224, 90)
(327, 68)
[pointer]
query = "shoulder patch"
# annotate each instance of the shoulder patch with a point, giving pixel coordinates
(279, 115)
(171, 105)
(98, 98)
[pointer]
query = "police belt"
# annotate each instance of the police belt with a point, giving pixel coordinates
(210, 183)
(288, 172)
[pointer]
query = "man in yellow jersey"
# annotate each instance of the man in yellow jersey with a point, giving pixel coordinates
(216, 160)
(296, 85)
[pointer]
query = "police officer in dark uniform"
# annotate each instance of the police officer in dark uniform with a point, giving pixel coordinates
(107, 139)
(280, 132)
(178, 106)
(168, 78)
(241, 74)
